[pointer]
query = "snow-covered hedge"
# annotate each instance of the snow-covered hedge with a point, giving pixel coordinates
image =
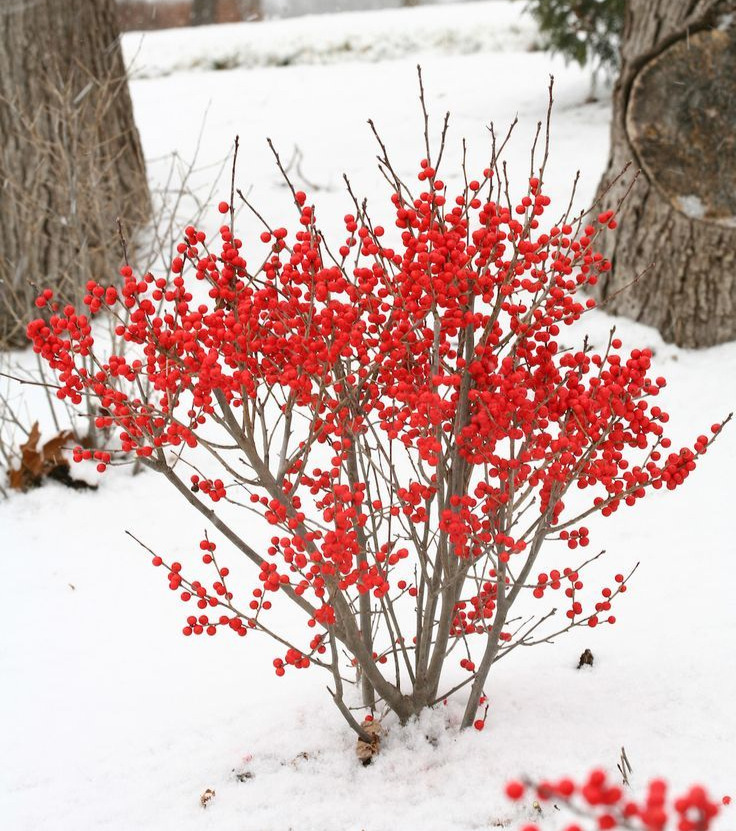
(458, 29)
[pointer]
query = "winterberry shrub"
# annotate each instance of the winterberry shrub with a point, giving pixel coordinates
(600, 804)
(399, 408)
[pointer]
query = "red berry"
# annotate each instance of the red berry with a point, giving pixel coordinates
(514, 790)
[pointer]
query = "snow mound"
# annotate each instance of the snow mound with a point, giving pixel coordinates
(456, 29)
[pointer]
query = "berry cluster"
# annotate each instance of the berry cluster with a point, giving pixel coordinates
(609, 806)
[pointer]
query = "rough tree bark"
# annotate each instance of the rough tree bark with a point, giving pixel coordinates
(674, 116)
(70, 156)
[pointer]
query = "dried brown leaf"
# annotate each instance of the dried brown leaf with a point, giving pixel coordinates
(35, 463)
(586, 659)
(52, 449)
(31, 443)
(31, 459)
(366, 750)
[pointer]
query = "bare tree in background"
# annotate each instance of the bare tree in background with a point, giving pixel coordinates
(203, 12)
(674, 110)
(251, 9)
(70, 156)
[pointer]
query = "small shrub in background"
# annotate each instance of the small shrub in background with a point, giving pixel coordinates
(585, 31)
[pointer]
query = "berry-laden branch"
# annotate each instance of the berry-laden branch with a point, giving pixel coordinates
(398, 407)
(599, 804)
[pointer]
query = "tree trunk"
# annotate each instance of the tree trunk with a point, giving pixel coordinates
(674, 111)
(204, 12)
(70, 156)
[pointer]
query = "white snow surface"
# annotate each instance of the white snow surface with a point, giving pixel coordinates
(691, 205)
(457, 29)
(111, 719)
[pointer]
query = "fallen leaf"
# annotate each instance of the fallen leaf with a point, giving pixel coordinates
(52, 449)
(586, 659)
(48, 462)
(366, 750)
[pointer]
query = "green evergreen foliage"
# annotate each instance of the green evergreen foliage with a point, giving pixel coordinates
(581, 30)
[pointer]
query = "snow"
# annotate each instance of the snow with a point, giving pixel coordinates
(294, 8)
(112, 720)
(460, 29)
(691, 205)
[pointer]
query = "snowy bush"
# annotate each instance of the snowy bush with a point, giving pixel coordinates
(399, 407)
(582, 30)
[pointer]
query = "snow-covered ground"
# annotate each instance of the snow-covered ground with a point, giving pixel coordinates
(462, 29)
(110, 719)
